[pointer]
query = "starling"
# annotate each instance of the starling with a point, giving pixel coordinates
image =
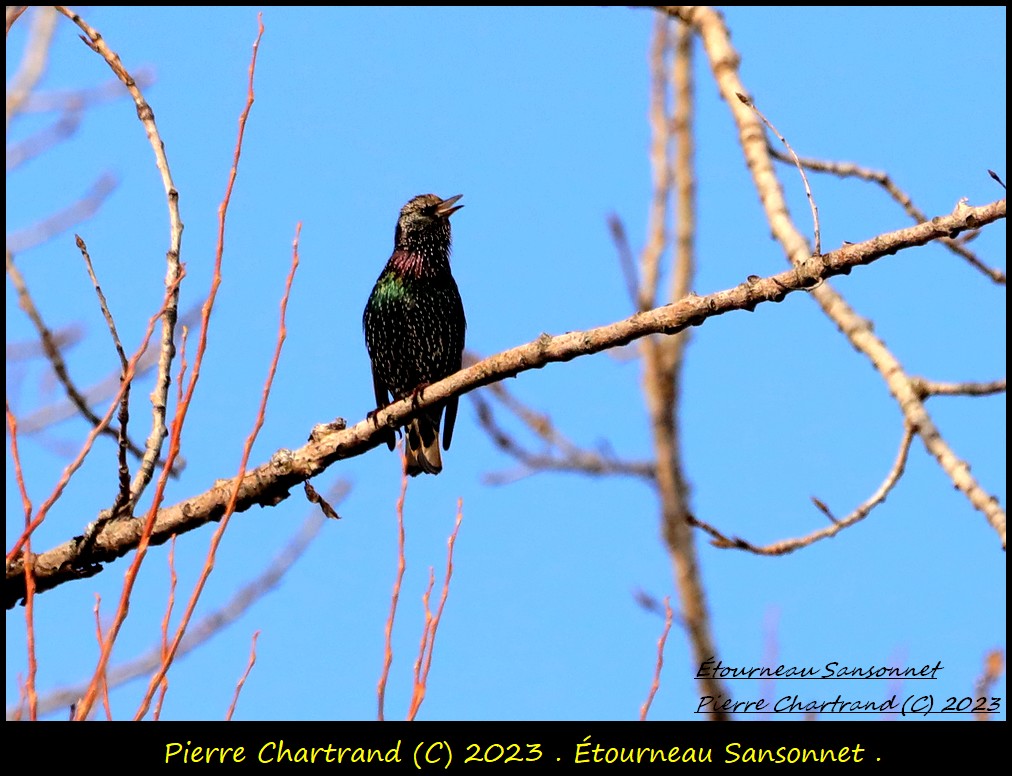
(414, 325)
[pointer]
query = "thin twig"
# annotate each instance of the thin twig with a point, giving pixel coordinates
(659, 664)
(159, 397)
(790, 545)
(124, 409)
(797, 163)
(97, 611)
(568, 459)
(29, 573)
(851, 170)
(58, 412)
(625, 257)
(170, 604)
(395, 595)
(243, 464)
(926, 388)
(245, 676)
(432, 621)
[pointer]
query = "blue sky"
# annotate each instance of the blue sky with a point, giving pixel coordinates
(539, 118)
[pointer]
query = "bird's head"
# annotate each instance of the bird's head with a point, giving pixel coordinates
(426, 218)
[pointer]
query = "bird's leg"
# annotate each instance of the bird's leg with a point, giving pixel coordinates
(417, 394)
(371, 415)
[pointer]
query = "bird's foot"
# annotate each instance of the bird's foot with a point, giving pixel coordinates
(371, 415)
(417, 394)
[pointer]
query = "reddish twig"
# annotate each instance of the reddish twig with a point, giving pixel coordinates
(230, 509)
(418, 690)
(29, 571)
(14, 13)
(244, 677)
(209, 625)
(166, 619)
(388, 630)
(181, 413)
(669, 617)
(424, 662)
(994, 666)
(97, 610)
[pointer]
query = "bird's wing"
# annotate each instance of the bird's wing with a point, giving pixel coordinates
(451, 416)
(382, 400)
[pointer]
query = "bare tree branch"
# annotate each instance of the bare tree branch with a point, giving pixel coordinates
(52, 351)
(35, 59)
(561, 456)
(662, 359)
(270, 483)
(926, 388)
(851, 170)
(42, 141)
(790, 545)
(58, 412)
(72, 215)
(64, 339)
(123, 499)
(724, 61)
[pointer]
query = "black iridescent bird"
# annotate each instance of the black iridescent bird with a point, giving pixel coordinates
(414, 325)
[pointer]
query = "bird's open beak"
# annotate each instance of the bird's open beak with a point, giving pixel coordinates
(446, 208)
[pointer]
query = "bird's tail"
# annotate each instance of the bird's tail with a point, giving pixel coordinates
(423, 444)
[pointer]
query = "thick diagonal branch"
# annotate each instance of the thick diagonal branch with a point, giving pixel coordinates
(270, 483)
